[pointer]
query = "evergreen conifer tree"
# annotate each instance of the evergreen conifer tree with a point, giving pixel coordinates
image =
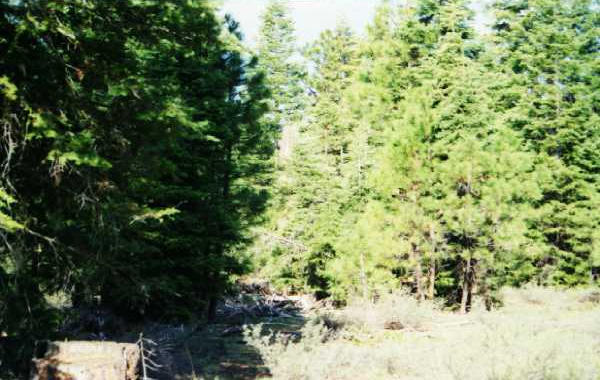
(549, 52)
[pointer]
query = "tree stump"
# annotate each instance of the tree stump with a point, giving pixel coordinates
(87, 360)
(393, 325)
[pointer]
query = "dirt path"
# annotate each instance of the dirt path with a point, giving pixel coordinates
(218, 350)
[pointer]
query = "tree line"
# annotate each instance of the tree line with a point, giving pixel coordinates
(439, 158)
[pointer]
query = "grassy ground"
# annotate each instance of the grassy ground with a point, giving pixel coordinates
(537, 334)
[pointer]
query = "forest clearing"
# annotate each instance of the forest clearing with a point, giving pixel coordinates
(418, 185)
(538, 333)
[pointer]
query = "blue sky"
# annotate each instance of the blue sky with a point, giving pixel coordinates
(313, 16)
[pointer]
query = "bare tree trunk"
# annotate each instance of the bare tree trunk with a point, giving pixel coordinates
(418, 272)
(432, 268)
(487, 296)
(419, 280)
(363, 277)
(465, 302)
(211, 313)
(431, 280)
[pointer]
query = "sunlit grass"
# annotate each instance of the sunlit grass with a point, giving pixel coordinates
(538, 334)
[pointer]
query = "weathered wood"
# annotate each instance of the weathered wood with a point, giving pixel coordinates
(393, 325)
(87, 360)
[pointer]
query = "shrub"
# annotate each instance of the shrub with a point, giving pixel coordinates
(539, 334)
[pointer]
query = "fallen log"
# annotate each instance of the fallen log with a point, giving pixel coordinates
(87, 360)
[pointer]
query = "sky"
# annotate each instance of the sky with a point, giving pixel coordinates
(313, 16)
(310, 16)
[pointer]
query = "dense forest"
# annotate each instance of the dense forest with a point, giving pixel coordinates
(149, 157)
(430, 156)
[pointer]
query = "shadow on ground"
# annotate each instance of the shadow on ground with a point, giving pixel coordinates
(218, 350)
(202, 350)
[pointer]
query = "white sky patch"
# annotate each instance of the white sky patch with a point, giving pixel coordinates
(311, 17)
(483, 16)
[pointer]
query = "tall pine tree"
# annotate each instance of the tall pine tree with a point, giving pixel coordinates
(549, 52)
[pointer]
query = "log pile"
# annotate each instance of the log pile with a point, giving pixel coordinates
(247, 307)
(256, 299)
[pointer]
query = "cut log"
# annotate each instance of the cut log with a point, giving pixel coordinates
(90, 360)
(393, 325)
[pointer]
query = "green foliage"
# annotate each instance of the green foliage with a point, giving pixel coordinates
(442, 160)
(276, 49)
(136, 155)
(549, 52)
(6, 222)
(309, 192)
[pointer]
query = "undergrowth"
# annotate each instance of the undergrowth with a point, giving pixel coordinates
(537, 334)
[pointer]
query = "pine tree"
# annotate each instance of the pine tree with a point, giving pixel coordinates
(451, 177)
(136, 159)
(549, 52)
(277, 54)
(478, 191)
(8, 91)
(310, 189)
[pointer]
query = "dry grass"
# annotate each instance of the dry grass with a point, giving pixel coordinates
(538, 334)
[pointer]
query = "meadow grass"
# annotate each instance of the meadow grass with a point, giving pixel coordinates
(539, 333)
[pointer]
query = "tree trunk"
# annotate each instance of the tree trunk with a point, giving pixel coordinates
(211, 314)
(363, 277)
(419, 280)
(432, 268)
(431, 280)
(465, 302)
(487, 297)
(418, 272)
